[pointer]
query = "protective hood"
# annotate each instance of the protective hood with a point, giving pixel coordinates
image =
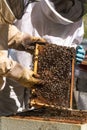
(66, 18)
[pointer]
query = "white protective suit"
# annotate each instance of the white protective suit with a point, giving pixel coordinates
(40, 19)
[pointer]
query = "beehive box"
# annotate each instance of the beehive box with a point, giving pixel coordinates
(56, 115)
(56, 69)
(24, 123)
(47, 118)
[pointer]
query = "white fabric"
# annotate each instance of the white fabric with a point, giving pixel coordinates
(38, 24)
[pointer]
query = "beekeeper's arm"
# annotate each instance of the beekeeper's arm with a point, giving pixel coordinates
(22, 41)
(10, 68)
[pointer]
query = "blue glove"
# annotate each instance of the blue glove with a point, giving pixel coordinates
(80, 54)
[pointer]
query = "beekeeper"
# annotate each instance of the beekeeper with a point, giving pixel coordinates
(57, 21)
(9, 11)
(12, 99)
(81, 83)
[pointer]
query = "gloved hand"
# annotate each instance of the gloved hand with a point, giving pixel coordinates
(24, 76)
(23, 42)
(13, 70)
(80, 54)
(29, 42)
(29, 79)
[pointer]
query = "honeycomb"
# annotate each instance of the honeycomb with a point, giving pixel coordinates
(54, 68)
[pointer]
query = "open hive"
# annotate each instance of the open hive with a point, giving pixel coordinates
(55, 69)
(55, 65)
(55, 114)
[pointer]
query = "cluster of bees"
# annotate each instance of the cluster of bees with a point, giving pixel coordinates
(64, 115)
(54, 68)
